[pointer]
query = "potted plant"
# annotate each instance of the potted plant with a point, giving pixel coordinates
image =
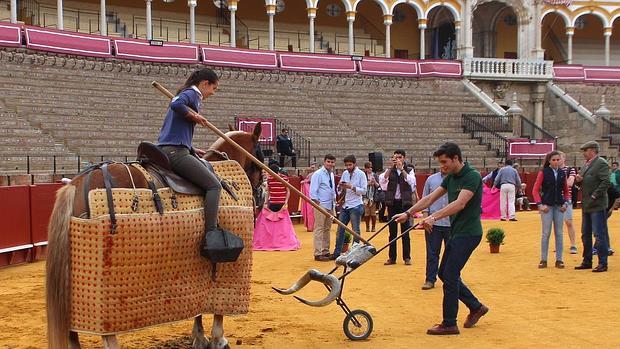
(347, 240)
(495, 237)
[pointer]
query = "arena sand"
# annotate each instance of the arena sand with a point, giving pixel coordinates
(530, 308)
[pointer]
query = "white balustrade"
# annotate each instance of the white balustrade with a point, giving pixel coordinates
(507, 69)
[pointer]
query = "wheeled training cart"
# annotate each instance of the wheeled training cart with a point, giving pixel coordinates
(357, 324)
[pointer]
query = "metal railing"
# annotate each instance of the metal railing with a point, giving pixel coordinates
(492, 122)
(611, 131)
(53, 164)
(533, 131)
(486, 136)
(507, 69)
(301, 144)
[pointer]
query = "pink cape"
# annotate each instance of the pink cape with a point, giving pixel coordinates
(490, 203)
(274, 231)
(307, 211)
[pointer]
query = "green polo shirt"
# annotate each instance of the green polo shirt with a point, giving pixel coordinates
(467, 221)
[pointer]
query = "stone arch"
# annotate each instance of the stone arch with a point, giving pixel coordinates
(558, 11)
(381, 4)
(347, 5)
(518, 7)
(590, 10)
(416, 6)
(455, 12)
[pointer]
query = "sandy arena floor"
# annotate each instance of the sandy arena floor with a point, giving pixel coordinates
(529, 307)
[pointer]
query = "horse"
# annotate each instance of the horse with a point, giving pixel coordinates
(71, 202)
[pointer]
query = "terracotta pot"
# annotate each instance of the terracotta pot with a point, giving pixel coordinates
(345, 247)
(494, 248)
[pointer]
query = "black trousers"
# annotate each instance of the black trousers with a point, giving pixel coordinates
(189, 167)
(395, 209)
(293, 159)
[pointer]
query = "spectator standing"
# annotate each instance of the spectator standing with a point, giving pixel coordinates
(277, 191)
(522, 199)
(570, 173)
(507, 181)
(370, 205)
(399, 185)
(284, 147)
(463, 185)
(615, 176)
(490, 177)
(322, 192)
(439, 232)
(551, 182)
(353, 183)
(594, 179)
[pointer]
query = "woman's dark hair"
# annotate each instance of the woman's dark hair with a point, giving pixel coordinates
(199, 76)
(549, 156)
(450, 150)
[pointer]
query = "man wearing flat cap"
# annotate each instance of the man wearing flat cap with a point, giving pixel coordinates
(594, 178)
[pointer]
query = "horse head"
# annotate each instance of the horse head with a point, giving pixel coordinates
(249, 142)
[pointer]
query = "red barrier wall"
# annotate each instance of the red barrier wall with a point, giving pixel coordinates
(42, 197)
(293, 201)
(15, 241)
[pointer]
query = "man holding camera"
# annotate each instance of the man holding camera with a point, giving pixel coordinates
(399, 185)
(353, 184)
(284, 147)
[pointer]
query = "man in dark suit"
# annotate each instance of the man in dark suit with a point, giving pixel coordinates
(284, 147)
(594, 179)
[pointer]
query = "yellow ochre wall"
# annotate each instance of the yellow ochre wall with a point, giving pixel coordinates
(506, 35)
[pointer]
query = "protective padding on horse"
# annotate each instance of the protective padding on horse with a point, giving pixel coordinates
(150, 272)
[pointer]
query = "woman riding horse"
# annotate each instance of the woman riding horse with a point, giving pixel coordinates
(175, 139)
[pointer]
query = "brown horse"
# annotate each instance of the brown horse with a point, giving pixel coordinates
(70, 201)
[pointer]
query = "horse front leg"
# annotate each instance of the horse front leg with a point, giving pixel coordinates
(198, 333)
(110, 342)
(74, 340)
(218, 341)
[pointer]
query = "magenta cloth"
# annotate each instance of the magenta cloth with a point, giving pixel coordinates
(274, 231)
(490, 203)
(307, 211)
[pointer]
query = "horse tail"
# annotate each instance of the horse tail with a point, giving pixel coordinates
(58, 287)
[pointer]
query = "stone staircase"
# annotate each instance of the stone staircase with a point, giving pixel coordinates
(96, 109)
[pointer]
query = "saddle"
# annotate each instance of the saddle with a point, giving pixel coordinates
(156, 162)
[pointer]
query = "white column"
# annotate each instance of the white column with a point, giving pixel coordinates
(570, 31)
(351, 19)
(422, 27)
(538, 52)
(192, 20)
(468, 50)
(13, 11)
(607, 35)
(387, 21)
(60, 23)
(311, 16)
(103, 20)
(232, 7)
(149, 21)
(271, 12)
(457, 38)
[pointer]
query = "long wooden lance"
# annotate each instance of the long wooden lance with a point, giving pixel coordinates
(260, 164)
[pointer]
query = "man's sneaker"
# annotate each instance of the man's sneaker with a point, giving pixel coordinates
(610, 252)
(442, 330)
(474, 316)
(573, 250)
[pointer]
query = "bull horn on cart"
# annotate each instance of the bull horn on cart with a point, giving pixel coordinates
(329, 280)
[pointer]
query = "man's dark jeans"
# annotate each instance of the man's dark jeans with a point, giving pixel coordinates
(453, 261)
(293, 157)
(595, 222)
(438, 235)
(395, 209)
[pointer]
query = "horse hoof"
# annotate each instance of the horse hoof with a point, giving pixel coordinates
(214, 345)
(201, 344)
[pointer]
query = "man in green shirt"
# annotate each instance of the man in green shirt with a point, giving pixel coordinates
(463, 185)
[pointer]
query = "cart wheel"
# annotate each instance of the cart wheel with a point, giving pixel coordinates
(357, 325)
